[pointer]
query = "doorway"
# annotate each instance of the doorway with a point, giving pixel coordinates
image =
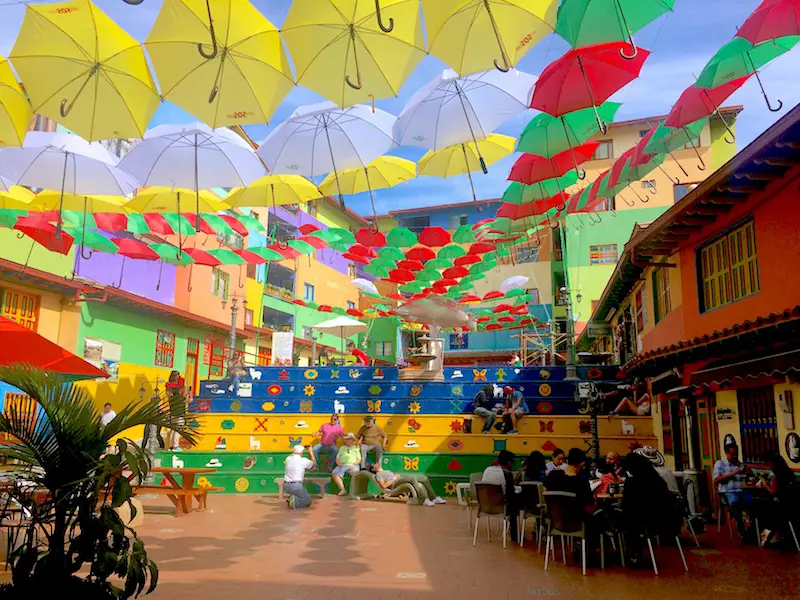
(192, 361)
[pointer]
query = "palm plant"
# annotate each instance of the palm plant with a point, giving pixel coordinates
(62, 446)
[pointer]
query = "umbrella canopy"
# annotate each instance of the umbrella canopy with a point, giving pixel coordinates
(517, 193)
(585, 78)
(740, 58)
(772, 19)
(50, 200)
(475, 35)
(319, 139)
(19, 344)
(589, 22)
(667, 139)
(15, 110)
(16, 198)
(343, 51)
(220, 60)
(698, 103)
(343, 327)
(452, 110)
(532, 168)
(383, 172)
(42, 232)
(161, 199)
(83, 70)
(274, 190)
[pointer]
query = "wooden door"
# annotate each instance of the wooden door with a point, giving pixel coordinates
(708, 431)
(192, 361)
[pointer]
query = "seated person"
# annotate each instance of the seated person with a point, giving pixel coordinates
(535, 467)
(515, 409)
(729, 475)
(571, 480)
(348, 460)
(610, 473)
(388, 481)
(640, 408)
(557, 461)
(483, 406)
(362, 360)
(659, 464)
(500, 474)
(328, 433)
(782, 500)
(371, 438)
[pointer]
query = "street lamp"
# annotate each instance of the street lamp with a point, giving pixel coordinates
(234, 314)
(572, 373)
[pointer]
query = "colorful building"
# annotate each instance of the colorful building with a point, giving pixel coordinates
(703, 307)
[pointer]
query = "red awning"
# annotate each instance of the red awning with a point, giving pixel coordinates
(21, 345)
(728, 372)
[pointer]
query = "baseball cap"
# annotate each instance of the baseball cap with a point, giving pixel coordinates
(298, 449)
(350, 436)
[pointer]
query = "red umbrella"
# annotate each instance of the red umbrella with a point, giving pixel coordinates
(772, 19)
(324, 308)
(532, 168)
(398, 297)
(434, 237)
(235, 224)
(469, 299)
(696, 103)
(494, 327)
(45, 234)
(158, 224)
(455, 272)
(135, 249)
(411, 265)
(586, 77)
(502, 308)
(446, 282)
(299, 302)
(494, 295)
(19, 345)
(285, 251)
(506, 319)
(307, 228)
(639, 157)
(201, 257)
(481, 248)
(251, 257)
(619, 166)
(354, 312)
(362, 250)
(420, 253)
(111, 221)
(402, 275)
(483, 319)
(356, 258)
(468, 259)
(318, 243)
(370, 237)
(204, 226)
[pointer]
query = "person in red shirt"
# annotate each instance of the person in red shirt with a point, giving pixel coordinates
(361, 358)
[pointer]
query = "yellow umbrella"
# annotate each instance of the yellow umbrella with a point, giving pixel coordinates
(15, 110)
(352, 50)
(161, 199)
(465, 158)
(221, 60)
(383, 172)
(274, 190)
(52, 200)
(476, 35)
(16, 198)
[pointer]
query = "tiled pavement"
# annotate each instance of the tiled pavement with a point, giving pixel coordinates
(247, 547)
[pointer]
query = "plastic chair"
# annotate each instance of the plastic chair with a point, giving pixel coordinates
(491, 503)
(471, 501)
(723, 506)
(688, 489)
(648, 537)
(566, 519)
(532, 507)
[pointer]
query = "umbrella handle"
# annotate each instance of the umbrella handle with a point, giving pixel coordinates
(383, 27)
(83, 256)
(356, 86)
(215, 49)
(121, 273)
(627, 29)
(133, 2)
(359, 84)
(68, 278)
(506, 67)
(20, 235)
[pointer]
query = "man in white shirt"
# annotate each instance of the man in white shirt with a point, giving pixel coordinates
(500, 474)
(296, 466)
(108, 414)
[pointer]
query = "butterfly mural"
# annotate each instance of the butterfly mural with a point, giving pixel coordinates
(411, 464)
(545, 427)
(295, 442)
(585, 427)
(374, 406)
(479, 374)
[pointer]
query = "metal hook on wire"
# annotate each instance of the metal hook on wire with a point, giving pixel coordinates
(384, 28)
(215, 49)
(702, 165)
(189, 286)
(121, 274)
(241, 285)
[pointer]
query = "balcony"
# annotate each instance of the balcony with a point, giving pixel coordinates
(280, 282)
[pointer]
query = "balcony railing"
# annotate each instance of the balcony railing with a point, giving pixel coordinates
(281, 293)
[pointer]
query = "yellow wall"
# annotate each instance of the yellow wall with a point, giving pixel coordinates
(330, 286)
(794, 388)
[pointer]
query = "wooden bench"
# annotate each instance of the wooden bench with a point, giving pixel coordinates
(179, 496)
(320, 482)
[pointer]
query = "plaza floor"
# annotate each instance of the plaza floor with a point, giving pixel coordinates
(247, 547)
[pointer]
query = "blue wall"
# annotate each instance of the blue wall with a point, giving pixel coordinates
(499, 340)
(440, 217)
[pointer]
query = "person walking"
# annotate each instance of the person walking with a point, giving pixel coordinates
(296, 466)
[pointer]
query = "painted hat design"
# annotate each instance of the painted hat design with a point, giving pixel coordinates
(249, 462)
(342, 390)
(214, 462)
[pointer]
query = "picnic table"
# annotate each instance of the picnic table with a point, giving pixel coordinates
(180, 493)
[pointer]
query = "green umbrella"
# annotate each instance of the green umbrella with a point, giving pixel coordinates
(414, 287)
(227, 257)
(8, 216)
(428, 275)
(345, 236)
(515, 292)
(464, 235)
(174, 220)
(383, 263)
(547, 136)
(339, 310)
(312, 305)
(519, 193)
(740, 58)
(326, 235)
(391, 253)
(267, 253)
(464, 286)
(667, 140)
(376, 270)
(250, 223)
(217, 223)
(523, 299)
(137, 224)
(452, 251)
(171, 254)
(438, 263)
(589, 22)
(302, 247)
(401, 237)
(482, 267)
(91, 239)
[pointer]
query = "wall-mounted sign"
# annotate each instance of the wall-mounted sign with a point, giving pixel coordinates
(282, 348)
(104, 355)
(725, 414)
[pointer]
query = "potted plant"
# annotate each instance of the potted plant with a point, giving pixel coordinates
(77, 544)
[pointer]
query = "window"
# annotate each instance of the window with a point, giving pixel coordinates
(758, 423)
(20, 308)
(641, 310)
(264, 357)
(281, 230)
(311, 208)
(604, 151)
(528, 254)
(649, 184)
(456, 221)
(308, 294)
(729, 268)
(534, 294)
(308, 333)
(384, 348)
(661, 299)
(351, 304)
(248, 316)
(643, 132)
(351, 270)
(165, 349)
(220, 280)
(603, 254)
(416, 224)
(607, 204)
(681, 190)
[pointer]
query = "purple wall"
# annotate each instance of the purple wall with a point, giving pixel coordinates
(140, 276)
(327, 256)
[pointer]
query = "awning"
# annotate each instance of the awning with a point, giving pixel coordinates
(21, 345)
(732, 370)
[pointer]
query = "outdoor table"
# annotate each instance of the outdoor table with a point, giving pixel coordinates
(180, 493)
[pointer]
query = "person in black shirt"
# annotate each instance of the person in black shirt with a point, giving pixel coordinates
(571, 480)
(535, 467)
(483, 405)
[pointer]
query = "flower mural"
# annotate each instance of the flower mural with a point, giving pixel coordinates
(414, 408)
(309, 390)
(310, 374)
(450, 488)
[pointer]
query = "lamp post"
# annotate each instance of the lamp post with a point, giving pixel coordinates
(572, 373)
(234, 314)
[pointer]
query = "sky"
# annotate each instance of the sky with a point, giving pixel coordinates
(680, 42)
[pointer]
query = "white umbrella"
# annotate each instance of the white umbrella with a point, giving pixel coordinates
(453, 110)
(60, 161)
(365, 285)
(322, 138)
(4, 184)
(344, 327)
(512, 283)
